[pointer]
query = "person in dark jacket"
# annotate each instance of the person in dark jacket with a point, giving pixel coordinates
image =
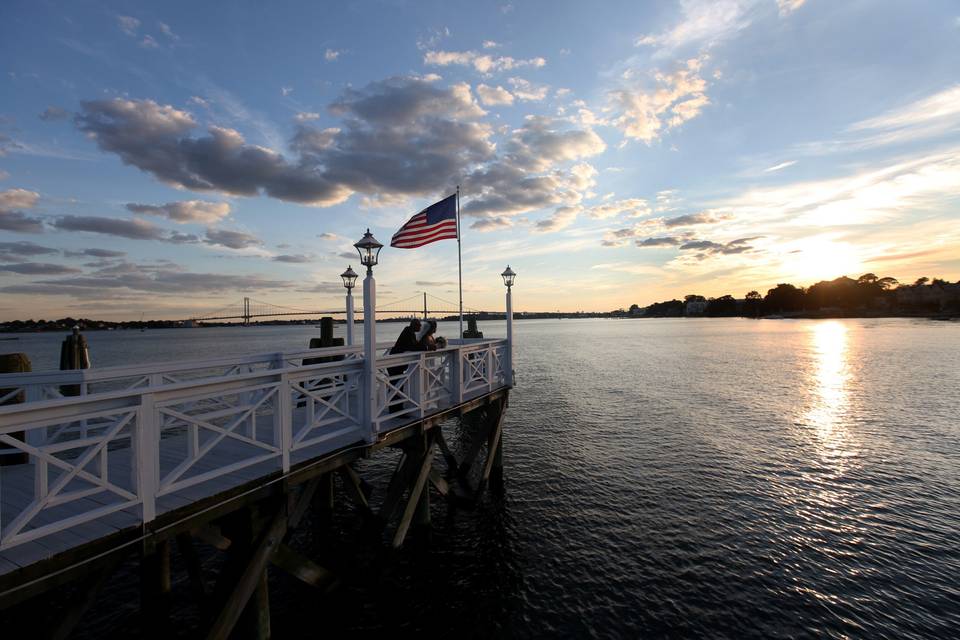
(406, 341)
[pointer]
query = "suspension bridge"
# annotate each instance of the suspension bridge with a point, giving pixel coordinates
(249, 309)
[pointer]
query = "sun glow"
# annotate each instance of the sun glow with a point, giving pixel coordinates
(820, 258)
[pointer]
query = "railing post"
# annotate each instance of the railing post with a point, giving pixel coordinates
(146, 456)
(489, 368)
(370, 355)
(416, 383)
(35, 437)
(456, 371)
(283, 421)
(508, 365)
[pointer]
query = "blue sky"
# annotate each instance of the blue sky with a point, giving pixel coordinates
(168, 158)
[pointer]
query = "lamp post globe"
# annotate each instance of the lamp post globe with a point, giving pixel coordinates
(508, 276)
(349, 278)
(369, 250)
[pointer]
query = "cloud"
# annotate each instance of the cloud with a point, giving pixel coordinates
(666, 241)
(185, 211)
(708, 248)
(490, 44)
(527, 176)
(704, 217)
(635, 207)
(331, 55)
(787, 7)
(703, 24)
(231, 239)
(285, 91)
(562, 218)
(293, 259)
(401, 136)
(327, 235)
(128, 25)
(17, 221)
(527, 91)
(134, 228)
(646, 113)
(149, 279)
(484, 63)
(96, 253)
(435, 283)
(167, 31)
(13, 251)
(778, 167)
(494, 96)
(491, 224)
(51, 114)
(38, 268)
(942, 108)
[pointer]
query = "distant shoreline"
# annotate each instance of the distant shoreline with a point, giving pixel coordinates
(103, 325)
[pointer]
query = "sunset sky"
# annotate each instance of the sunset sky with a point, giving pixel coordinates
(170, 158)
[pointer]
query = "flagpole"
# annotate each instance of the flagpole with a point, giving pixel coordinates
(459, 264)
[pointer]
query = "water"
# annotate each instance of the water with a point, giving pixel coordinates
(720, 478)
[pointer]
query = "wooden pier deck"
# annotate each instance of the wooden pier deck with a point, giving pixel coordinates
(146, 455)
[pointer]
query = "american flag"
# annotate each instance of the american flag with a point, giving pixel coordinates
(436, 222)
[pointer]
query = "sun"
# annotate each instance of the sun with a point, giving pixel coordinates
(820, 258)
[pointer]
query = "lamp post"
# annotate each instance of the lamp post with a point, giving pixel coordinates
(369, 250)
(349, 281)
(508, 277)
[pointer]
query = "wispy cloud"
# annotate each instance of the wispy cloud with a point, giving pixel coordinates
(778, 167)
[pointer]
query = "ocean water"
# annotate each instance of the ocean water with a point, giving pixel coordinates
(664, 478)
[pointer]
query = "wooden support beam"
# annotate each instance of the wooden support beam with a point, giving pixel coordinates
(252, 576)
(439, 482)
(155, 589)
(353, 486)
(84, 597)
(304, 569)
(418, 486)
(302, 502)
(194, 568)
(451, 460)
(399, 482)
(467, 463)
(493, 449)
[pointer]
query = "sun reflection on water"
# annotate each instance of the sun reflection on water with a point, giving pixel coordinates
(829, 385)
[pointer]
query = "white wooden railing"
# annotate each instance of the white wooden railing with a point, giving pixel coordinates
(146, 439)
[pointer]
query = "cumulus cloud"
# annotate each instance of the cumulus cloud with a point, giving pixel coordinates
(13, 251)
(484, 63)
(185, 211)
(634, 207)
(644, 113)
(494, 96)
(128, 25)
(38, 268)
(51, 114)
(401, 135)
(327, 235)
(167, 31)
(13, 220)
(707, 248)
(562, 218)
(231, 239)
(149, 42)
(665, 241)
(704, 217)
(293, 258)
(135, 228)
(331, 54)
(156, 279)
(527, 91)
(529, 176)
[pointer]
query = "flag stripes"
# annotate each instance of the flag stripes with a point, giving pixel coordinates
(437, 222)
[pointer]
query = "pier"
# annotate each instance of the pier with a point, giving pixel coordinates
(232, 452)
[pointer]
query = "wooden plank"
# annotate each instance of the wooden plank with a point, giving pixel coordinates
(250, 578)
(304, 569)
(415, 491)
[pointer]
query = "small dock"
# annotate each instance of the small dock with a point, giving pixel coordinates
(229, 452)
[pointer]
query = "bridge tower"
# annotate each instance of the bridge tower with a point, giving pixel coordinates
(246, 311)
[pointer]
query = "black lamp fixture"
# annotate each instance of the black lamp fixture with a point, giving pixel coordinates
(508, 276)
(349, 278)
(369, 250)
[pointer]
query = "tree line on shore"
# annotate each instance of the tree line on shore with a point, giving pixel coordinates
(842, 296)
